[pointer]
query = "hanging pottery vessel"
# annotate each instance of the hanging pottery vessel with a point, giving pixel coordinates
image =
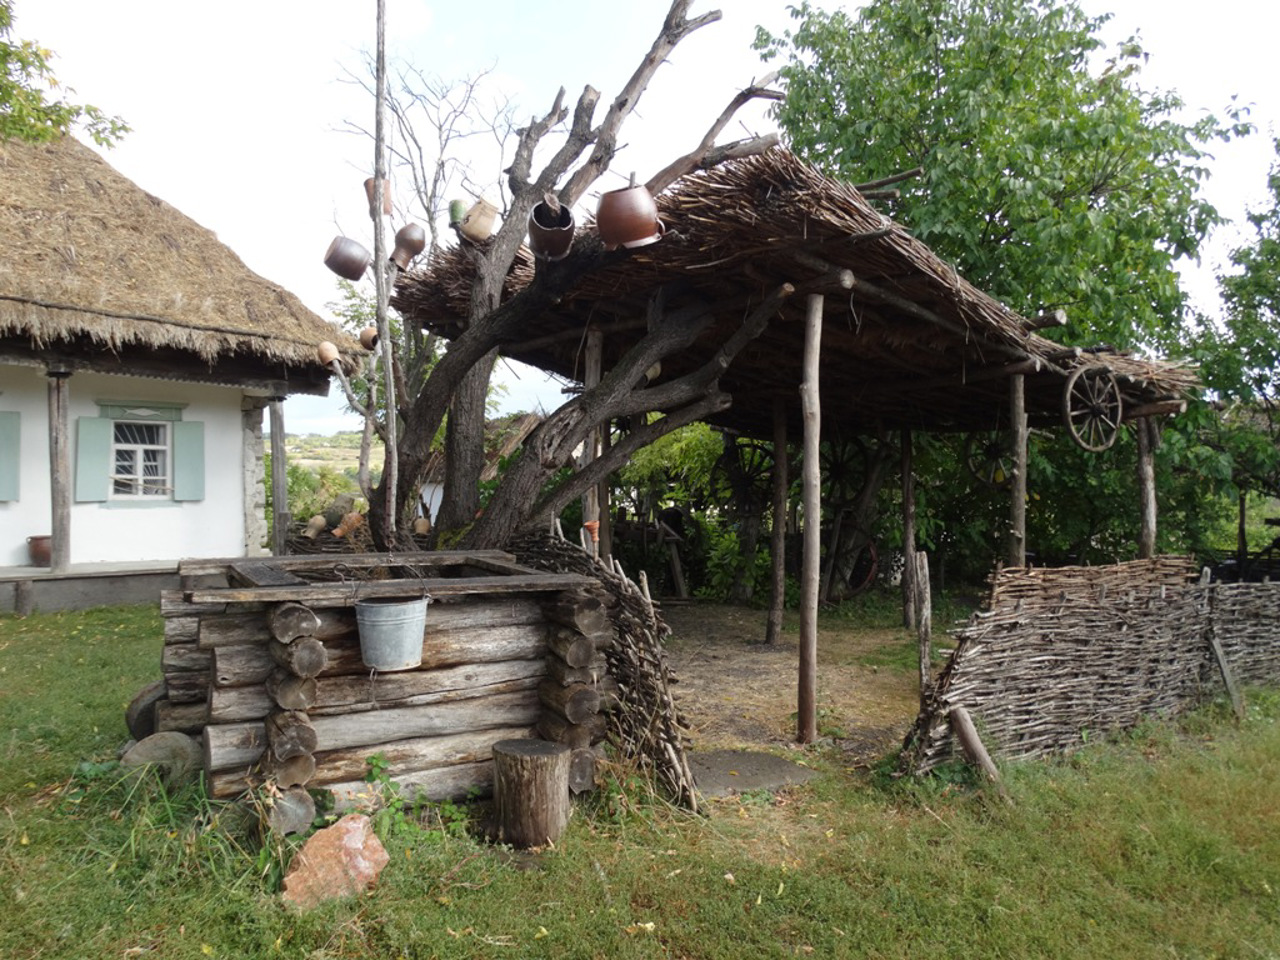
(369, 338)
(550, 235)
(477, 225)
(628, 218)
(327, 352)
(411, 240)
(347, 258)
(457, 210)
(386, 195)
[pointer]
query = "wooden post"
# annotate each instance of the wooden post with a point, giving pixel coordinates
(1016, 553)
(280, 516)
(971, 745)
(602, 496)
(60, 469)
(908, 534)
(807, 700)
(531, 791)
(922, 604)
(1146, 488)
(778, 535)
(591, 378)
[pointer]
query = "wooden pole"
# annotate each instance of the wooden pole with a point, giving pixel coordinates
(531, 791)
(807, 700)
(1016, 554)
(971, 745)
(602, 496)
(60, 469)
(922, 602)
(1146, 489)
(280, 515)
(384, 273)
(591, 378)
(778, 535)
(908, 534)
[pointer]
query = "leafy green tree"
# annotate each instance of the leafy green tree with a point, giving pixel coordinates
(1048, 183)
(29, 109)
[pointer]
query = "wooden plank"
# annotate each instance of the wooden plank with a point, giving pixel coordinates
(263, 573)
(229, 629)
(443, 783)
(184, 658)
(338, 594)
(398, 723)
(1228, 678)
(199, 566)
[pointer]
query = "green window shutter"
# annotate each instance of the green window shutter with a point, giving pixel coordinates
(188, 460)
(93, 459)
(10, 434)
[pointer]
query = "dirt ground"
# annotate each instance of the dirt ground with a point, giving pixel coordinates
(735, 691)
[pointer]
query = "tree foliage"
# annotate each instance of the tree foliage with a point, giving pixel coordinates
(1047, 182)
(29, 106)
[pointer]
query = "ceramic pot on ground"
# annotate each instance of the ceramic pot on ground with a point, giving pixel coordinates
(628, 218)
(411, 240)
(477, 225)
(41, 550)
(347, 258)
(550, 237)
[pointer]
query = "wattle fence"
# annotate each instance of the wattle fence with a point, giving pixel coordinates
(1061, 655)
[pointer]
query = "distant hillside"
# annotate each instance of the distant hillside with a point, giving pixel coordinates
(339, 452)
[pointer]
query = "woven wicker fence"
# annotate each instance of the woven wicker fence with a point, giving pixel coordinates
(1064, 654)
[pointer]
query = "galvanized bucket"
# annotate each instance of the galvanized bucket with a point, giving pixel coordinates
(391, 631)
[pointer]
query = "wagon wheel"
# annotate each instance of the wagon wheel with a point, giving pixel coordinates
(844, 465)
(1091, 408)
(989, 457)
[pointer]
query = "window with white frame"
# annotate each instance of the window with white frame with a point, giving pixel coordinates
(140, 454)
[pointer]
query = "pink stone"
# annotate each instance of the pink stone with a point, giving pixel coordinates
(338, 861)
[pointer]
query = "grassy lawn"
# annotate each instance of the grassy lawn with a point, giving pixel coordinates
(1165, 843)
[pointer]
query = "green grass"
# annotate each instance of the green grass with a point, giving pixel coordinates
(1162, 843)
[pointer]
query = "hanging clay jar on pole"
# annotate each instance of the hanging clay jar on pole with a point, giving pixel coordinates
(477, 225)
(628, 218)
(370, 189)
(411, 240)
(550, 229)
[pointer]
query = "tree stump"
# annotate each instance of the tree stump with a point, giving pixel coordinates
(531, 791)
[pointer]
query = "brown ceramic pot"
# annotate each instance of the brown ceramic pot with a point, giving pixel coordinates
(327, 352)
(386, 195)
(347, 258)
(40, 550)
(411, 240)
(628, 218)
(369, 338)
(550, 237)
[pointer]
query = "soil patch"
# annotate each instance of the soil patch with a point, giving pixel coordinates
(737, 692)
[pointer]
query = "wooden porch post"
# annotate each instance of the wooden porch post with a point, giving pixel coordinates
(908, 534)
(807, 705)
(590, 378)
(280, 515)
(1145, 429)
(778, 535)
(1016, 553)
(59, 468)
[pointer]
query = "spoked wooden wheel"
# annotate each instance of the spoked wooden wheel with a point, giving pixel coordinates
(1092, 408)
(989, 456)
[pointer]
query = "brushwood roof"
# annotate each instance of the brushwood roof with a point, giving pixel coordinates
(910, 344)
(99, 274)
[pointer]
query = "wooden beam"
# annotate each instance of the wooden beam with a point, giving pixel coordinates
(1016, 552)
(1155, 409)
(1146, 489)
(60, 468)
(280, 515)
(908, 534)
(807, 700)
(778, 534)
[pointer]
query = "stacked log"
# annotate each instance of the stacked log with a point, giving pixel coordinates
(577, 686)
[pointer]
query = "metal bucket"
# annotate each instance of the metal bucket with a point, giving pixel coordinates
(391, 632)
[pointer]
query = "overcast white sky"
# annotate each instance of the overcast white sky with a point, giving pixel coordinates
(236, 107)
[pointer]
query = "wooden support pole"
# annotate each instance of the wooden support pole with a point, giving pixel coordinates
(922, 603)
(778, 535)
(591, 378)
(602, 496)
(971, 745)
(1146, 488)
(280, 516)
(1016, 552)
(807, 699)
(908, 534)
(60, 469)
(531, 791)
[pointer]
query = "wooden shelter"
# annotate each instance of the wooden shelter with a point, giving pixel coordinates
(134, 314)
(872, 332)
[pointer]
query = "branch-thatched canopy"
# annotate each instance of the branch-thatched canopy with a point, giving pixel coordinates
(909, 344)
(101, 275)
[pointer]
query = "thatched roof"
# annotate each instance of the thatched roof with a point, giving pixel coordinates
(99, 274)
(912, 344)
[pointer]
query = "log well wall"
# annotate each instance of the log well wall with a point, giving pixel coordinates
(276, 689)
(1064, 654)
